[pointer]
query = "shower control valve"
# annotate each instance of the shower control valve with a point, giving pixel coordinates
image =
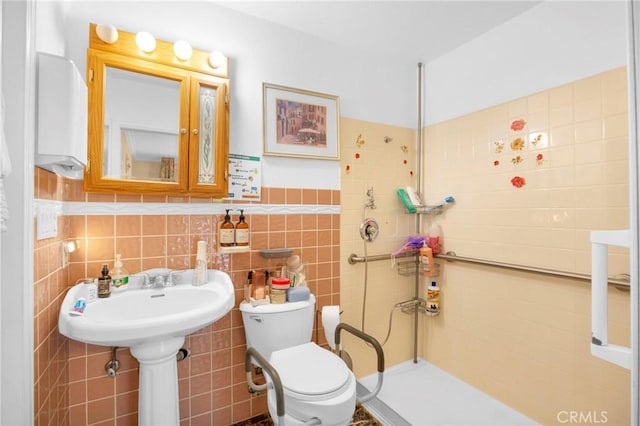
(369, 229)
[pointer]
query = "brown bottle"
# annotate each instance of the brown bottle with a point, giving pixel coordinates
(242, 231)
(227, 232)
(104, 283)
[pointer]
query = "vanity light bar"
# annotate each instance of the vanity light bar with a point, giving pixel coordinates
(108, 38)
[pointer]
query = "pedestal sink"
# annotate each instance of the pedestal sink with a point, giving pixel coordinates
(153, 324)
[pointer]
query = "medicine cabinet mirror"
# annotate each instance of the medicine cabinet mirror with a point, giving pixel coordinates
(157, 124)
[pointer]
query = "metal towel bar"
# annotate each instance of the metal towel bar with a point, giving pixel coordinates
(620, 281)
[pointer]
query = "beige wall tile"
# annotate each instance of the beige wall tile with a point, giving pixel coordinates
(528, 333)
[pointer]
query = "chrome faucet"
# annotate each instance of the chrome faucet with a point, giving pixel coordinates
(147, 279)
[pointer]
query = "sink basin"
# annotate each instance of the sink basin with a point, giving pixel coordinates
(153, 323)
(135, 315)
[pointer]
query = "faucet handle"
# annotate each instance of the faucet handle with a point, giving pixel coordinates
(146, 283)
(169, 282)
(158, 281)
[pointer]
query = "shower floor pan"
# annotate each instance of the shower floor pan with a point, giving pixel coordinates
(422, 394)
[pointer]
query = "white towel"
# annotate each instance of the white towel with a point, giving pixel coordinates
(5, 169)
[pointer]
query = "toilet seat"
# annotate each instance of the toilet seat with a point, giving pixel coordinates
(316, 383)
(309, 372)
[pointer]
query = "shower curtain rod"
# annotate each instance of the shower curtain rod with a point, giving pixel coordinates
(621, 282)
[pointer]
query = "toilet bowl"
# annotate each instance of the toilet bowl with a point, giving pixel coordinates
(316, 382)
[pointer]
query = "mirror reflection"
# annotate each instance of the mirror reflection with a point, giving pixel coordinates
(141, 126)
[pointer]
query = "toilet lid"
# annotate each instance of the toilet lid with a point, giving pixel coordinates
(309, 369)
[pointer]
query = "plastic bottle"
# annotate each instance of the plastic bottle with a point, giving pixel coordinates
(433, 298)
(120, 276)
(242, 231)
(426, 259)
(104, 283)
(201, 263)
(227, 232)
(434, 238)
(90, 289)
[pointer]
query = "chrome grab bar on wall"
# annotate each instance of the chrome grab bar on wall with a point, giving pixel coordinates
(354, 258)
(620, 281)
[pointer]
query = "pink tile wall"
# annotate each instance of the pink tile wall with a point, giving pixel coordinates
(71, 385)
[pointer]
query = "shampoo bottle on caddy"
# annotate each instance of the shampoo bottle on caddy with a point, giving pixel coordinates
(433, 299)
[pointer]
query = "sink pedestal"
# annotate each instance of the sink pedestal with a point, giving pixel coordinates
(158, 389)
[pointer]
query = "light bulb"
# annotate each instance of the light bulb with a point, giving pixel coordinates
(146, 42)
(216, 59)
(107, 33)
(182, 49)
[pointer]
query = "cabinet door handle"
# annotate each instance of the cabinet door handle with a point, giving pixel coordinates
(195, 131)
(183, 131)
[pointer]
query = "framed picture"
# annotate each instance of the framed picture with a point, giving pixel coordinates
(300, 123)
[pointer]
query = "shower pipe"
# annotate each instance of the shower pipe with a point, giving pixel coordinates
(419, 154)
(621, 281)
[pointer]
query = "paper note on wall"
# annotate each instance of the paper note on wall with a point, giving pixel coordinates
(244, 177)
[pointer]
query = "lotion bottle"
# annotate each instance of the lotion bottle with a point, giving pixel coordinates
(227, 232)
(242, 231)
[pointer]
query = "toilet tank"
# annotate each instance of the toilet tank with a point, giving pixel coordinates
(269, 328)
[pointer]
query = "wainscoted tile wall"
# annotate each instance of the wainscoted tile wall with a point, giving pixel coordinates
(71, 385)
(521, 337)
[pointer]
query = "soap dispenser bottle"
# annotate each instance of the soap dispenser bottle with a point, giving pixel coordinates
(120, 276)
(242, 231)
(227, 232)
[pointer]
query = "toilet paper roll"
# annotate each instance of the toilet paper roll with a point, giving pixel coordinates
(330, 320)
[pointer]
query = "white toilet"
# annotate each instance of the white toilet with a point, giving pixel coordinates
(315, 381)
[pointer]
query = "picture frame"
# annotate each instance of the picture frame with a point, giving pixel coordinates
(300, 123)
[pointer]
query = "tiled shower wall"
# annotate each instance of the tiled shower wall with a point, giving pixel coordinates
(71, 384)
(523, 337)
(381, 158)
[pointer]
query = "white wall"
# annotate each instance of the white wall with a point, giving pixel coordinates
(16, 263)
(549, 45)
(259, 52)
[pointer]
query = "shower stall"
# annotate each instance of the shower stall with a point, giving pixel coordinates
(533, 173)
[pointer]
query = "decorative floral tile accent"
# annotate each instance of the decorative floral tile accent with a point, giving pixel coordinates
(357, 155)
(517, 144)
(539, 159)
(347, 169)
(538, 140)
(496, 163)
(359, 141)
(517, 160)
(404, 148)
(518, 125)
(518, 181)
(498, 146)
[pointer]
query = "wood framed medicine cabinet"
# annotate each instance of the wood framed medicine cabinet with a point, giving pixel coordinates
(157, 124)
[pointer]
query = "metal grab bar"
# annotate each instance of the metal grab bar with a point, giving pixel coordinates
(277, 382)
(354, 258)
(621, 281)
(380, 354)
